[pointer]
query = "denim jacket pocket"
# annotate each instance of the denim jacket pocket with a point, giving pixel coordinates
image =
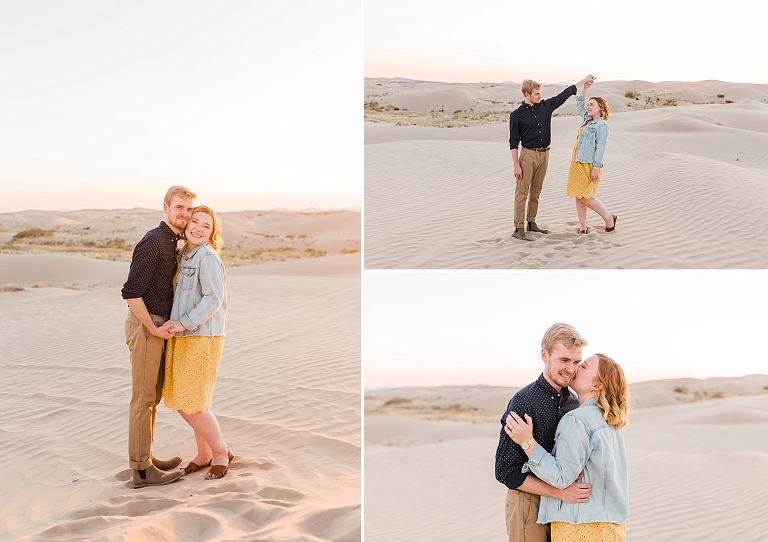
(187, 278)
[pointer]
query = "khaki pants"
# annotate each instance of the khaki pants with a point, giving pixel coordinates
(528, 188)
(522, 510)
(147, 374)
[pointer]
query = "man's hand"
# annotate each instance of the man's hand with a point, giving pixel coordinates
(518, 172)
(172, 327)
(577, 492)
(589, 78)
(162, 332)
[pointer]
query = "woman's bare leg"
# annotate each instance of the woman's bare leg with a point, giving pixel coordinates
(581, 211)
(207, 429)
(597, 206)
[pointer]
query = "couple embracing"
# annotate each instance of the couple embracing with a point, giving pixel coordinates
(562, 457)
(530, 127)
(177, 304)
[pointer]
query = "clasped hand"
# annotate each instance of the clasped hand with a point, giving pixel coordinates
(170, 328)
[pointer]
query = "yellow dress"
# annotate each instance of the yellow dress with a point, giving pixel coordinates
(588, 532)
(580, 184)
(191, 364)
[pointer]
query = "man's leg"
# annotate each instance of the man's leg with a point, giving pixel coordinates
(522, 510)
(537, 182)
(146, 357)
(523, 186)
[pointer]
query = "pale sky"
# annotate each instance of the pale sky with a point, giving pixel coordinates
(468, 328)
(563, 40)
(253, 105)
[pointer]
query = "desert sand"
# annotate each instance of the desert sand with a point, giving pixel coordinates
(685, 171)
(696, 452)
(287, 395)
(693, 459)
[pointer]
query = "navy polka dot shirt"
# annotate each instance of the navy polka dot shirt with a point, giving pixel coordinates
(153, 266)
(531, 125)
(545, 405)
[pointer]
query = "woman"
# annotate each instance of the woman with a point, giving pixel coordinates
(587, 159)
(589, 442)
(193, 354)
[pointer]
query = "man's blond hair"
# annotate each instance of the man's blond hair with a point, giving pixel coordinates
(563, 333)
(528, 86)
(178, 190)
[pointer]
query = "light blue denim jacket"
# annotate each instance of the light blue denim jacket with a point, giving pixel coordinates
(200, 300)
(584, 443)
(594, 138)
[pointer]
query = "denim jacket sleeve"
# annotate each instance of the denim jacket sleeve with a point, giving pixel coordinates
(601, 142)
(572, 449)
(581, 107)
(211, 278)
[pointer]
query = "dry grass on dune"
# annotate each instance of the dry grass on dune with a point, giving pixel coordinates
(249, 236)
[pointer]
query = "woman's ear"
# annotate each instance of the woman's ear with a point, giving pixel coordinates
(597, 386)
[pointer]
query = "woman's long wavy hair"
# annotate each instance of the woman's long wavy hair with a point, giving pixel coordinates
(215, 242)
(613, 399)
(605, 110)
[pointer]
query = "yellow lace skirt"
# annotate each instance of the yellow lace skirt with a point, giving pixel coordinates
(190, 372)
(588, 532)
(580, 184)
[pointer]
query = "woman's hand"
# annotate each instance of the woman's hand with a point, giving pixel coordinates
(588, 83)
(173, 327)
(517, 429)
(595, 173)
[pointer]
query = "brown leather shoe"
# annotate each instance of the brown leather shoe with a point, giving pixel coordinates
(166, 464)
(219, 471)
(154, 477)
(520, 234)
(615, 217)
(533, 227)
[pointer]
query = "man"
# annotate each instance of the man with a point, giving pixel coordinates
(149, 293)
(530, 125)
(546, 401)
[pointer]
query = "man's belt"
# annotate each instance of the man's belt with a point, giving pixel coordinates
(537, 149)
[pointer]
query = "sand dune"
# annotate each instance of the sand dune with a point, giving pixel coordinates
(688, 184)
(287, 398)
(692, 468)
(249, 236)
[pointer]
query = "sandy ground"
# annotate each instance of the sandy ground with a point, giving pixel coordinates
(287, 399)
(687, 182)
(695, 465)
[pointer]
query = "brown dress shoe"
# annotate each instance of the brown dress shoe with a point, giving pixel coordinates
(533, 227)
(154, 477)
(166, 464)
(520, 234)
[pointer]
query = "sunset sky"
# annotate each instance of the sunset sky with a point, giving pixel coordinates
(467, 327)
(106, 104)
(561, 41)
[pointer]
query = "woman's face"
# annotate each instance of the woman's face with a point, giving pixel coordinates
(586, 375)
(593, 110)
(199, 229)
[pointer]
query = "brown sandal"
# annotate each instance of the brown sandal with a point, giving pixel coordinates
(194, 467)
(219, 471)
(614, 224)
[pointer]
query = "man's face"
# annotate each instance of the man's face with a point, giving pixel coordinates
(534, 97)
(560, 364)
(178, 212)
